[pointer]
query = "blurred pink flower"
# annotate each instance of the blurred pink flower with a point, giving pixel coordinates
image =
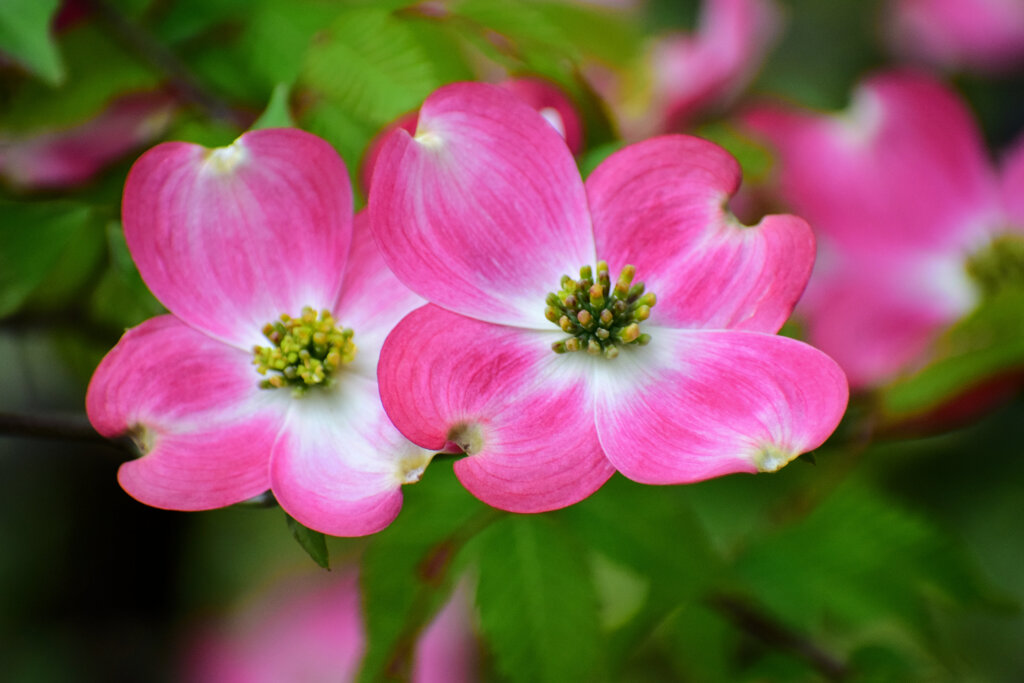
(483, 212)
(901, 193)
(227, 397)
(975, 35)
(311, 631)
(546, 98)
(684, 76)
(54, 159)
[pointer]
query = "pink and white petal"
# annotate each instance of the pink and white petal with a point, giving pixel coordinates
(372, 299)
(904, 168)
(470, 220)
(660, 206)
(495, 392)
(193, 405)
(694, 73)
(1013, 184)
(876, 322)
(550, 102)
(986, 35)
(693, 405)
(229, 239)
(406, 122)
(54, 159)
(339, 464)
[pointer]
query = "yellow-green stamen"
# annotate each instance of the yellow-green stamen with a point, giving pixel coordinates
(306, 351)
(599, 316)
(998, 265)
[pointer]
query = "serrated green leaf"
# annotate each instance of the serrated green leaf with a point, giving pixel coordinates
(538, 607)
(628, 523)
(407, 569)
(278, 34)
(594, 31)
(986, 343)
(277, 114)
(25, 35)
(860, 559)
(47, 250)
(369, 65)
(313, 542)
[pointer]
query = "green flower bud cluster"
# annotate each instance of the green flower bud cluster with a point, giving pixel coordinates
(305, 352)
(599, 316)
(999, 265)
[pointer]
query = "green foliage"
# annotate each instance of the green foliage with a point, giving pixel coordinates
(409, 568)
(47, 251)
(363, 71)
(629, 524)
(313, 542)
(277, 114)
(824, 50)
(25, 35)
(538, 607)
(121, 299)
(986, 344)
(98, 71)
(859, 560)
(370, 64)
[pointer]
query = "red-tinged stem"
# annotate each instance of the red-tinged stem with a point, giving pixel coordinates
(65, 427)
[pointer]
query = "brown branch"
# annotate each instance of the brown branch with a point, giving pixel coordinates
(761, 626)
(65, 427)
(153, 52)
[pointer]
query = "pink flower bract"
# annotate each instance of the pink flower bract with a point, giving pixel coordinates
(229, 240)
(901, 192)
(691, 74)
(483, 211)
(980, 35)
(312, 631)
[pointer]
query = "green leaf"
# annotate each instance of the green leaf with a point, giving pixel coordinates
(825, 49)
(25, 35)
(98, 71)
(278, 34)
(312, 542)
(47, 251)
(858, 559)
(986, 343)
(594, 31)
(408, 569)
(369, 65)
(277, 114)
(121, 299)
(538, 607)
(628, 523)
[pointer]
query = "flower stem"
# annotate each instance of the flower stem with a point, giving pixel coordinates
(756, 623)
(67, 427)
(433, 572)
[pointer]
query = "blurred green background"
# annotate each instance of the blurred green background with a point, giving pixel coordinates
(890, 557)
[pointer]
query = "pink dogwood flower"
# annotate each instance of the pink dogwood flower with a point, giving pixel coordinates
(973, 35)
(906, 205)
(546, 98)
(686, 75)
(551, 381)
(263, 377)
(312, 631)
(72, 156)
